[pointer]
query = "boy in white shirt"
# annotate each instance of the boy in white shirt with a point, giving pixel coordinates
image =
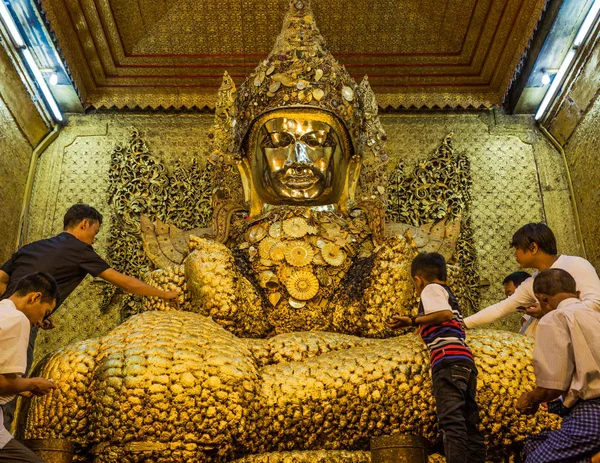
(535, 247)
(34, 298)
(566, 361)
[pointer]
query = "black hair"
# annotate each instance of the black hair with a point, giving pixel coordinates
(79, 212)
(517, 278)
(538, 233)
(430, 266)
(38, 282)
(553, 281)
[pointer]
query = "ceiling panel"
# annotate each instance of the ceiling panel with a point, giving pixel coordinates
(168, 53)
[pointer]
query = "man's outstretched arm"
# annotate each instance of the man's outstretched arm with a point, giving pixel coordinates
(135, 286)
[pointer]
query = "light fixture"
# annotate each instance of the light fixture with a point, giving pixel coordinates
(7, 19)
(546, 79)
(42, 84)
(53, 79)
(587, 23)
(564, 67)
(555, 83)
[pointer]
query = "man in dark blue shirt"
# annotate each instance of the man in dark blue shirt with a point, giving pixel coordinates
(68, 257)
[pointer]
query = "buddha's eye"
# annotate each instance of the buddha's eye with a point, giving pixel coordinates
(318, 139)
(277, 140)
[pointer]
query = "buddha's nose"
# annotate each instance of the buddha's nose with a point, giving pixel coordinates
(299, 155)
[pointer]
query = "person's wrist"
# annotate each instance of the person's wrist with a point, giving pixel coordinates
(413, 321)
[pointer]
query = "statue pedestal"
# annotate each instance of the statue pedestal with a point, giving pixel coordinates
(399, 448)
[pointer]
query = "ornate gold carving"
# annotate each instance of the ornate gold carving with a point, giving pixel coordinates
(439, 189)
(140, 184)
(155, 55)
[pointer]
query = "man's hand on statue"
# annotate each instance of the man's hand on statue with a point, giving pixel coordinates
(526, 406)
(396, 322)
(47, 324)
(534, 311)
(42, 386)
(173, 298)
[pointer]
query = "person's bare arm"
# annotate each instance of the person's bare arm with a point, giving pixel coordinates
(135, 286)
(4, 279)
(11, 383)
(529, 402)
(435, 318)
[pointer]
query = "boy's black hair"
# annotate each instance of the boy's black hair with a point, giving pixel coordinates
(538, 233)
(553, 281)
(39, 282)
(79, 212)
(516, 277)
(430, 266)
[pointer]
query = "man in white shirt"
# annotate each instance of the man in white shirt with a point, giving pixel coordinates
(34, 298)
(535, 247)
(566, 361)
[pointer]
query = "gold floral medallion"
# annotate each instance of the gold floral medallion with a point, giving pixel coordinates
(302, 285)
(299, 253)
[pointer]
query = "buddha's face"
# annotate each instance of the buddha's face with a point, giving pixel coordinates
(297, 157)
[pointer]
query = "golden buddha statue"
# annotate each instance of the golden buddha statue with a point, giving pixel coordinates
(290, 287)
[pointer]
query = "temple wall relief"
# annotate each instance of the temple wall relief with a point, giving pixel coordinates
(582, 156)
(15, 153)
(518, 177)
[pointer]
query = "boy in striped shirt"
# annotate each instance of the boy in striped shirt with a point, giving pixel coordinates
(453, 371)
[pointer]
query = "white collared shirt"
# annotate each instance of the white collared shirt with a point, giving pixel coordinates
(566, 356)
(586, 278)
(14, 339)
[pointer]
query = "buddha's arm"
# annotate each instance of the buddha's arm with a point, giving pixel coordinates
(219, 289)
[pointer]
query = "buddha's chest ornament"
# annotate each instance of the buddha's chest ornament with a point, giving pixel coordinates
(299, 256)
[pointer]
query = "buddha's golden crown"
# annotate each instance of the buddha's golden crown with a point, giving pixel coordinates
(301, 72)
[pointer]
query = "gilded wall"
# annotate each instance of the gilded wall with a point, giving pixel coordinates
(582, 156)
(518, 177)
(15, 154)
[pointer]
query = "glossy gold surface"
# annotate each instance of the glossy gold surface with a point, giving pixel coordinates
(282, 352)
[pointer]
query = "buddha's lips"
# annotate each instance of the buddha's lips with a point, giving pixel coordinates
(300, 182)
(304, 179)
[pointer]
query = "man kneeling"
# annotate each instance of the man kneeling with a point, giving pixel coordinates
(34, 298)
(566, 359)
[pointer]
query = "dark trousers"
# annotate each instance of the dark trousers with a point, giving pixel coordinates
(9, 408)
(454, 389)
(15, 452)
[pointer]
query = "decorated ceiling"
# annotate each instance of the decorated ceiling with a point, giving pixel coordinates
(172, 53)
